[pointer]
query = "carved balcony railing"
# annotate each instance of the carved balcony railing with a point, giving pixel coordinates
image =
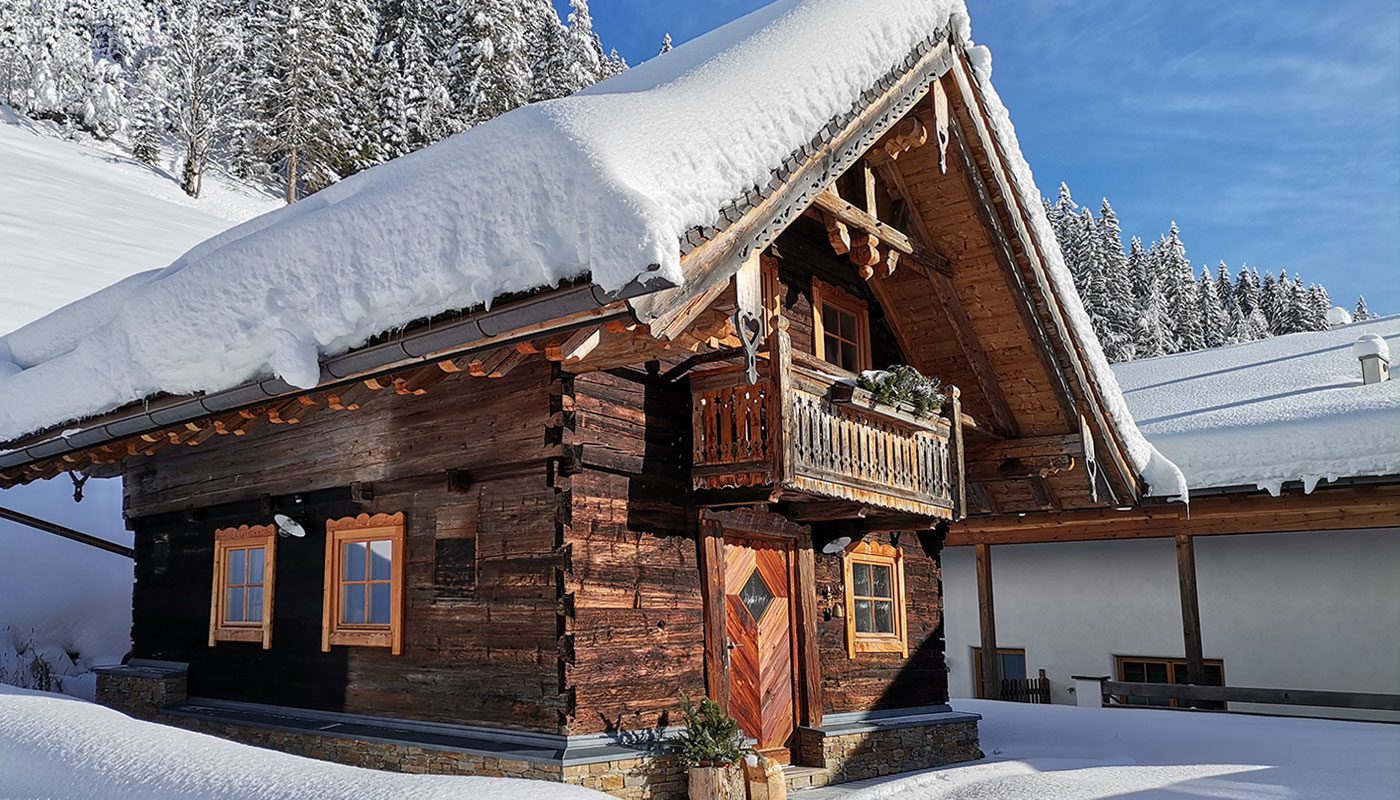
(806, 432)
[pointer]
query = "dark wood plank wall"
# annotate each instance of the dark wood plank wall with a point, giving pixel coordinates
(486, 654)
(636, 622)
(883, 680)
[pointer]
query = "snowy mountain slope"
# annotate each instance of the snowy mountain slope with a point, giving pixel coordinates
(75, 217)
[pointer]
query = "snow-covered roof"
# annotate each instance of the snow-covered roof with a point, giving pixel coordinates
(1290, 408)
(606, 183)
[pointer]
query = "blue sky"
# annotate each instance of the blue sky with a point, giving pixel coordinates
(1269, 129)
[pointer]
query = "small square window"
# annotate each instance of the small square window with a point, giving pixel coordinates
(240, 607)
(842, 322)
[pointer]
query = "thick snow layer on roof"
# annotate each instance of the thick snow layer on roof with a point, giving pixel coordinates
(53, 746)
(605, 182)
(1291, 408)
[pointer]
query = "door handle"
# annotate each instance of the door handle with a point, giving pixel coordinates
(729, 647)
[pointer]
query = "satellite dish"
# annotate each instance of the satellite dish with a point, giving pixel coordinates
(288, 526)
(836, 545)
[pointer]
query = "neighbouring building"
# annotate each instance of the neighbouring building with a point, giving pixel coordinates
(1293, 461)
(477, 460)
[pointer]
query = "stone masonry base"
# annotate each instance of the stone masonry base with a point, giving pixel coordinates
(834, 754)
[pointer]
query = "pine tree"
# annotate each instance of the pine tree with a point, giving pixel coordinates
(148, 110)
(1224, 289)
(1120, 305)
(614, 64)
(489, 72)
(584, 66)
(666, 45)
(545, 41)
(1214, 320)
(1140, 273)
(1269, 304)
(1362, 312)
(415, 105)
(1319, 305)
(301, 114)
(1180, 293)
(1152, 337)
(353, 144)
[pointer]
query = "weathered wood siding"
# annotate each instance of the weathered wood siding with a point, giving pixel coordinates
(636, 620)
(486, 654)
(883, 680)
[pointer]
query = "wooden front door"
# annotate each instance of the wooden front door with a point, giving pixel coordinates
(759, 624)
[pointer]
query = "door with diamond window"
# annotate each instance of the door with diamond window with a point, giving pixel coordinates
(759, 624)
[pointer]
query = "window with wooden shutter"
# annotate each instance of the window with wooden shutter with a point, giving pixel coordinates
(363, 603)
(245, 568)
(874, 587)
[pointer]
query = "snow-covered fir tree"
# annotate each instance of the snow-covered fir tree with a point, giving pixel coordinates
(666, 46)
(488, 68)
(1150, 301)
(1361, 312)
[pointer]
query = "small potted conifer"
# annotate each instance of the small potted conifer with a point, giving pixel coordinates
(711, 747)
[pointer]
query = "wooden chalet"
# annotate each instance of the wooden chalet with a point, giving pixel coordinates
(514, 537)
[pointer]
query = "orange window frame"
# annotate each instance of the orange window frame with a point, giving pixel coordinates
(363, 528)
(878, 555)
(243, 538)
(824, 295)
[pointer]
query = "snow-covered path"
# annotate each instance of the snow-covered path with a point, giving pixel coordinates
(1069, 753)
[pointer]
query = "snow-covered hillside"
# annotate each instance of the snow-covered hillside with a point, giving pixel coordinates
(77, 216)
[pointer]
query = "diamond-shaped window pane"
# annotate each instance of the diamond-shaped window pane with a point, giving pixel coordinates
(756, 595)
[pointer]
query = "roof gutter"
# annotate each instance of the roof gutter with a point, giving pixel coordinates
(487, 329)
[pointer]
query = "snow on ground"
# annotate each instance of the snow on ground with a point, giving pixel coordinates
(76, 216)
(605, 182)
(1263, 413)
(52, 746)
(1055, 752)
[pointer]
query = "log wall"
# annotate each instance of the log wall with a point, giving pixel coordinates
(481, 639)
(636, 622)
(883, 680)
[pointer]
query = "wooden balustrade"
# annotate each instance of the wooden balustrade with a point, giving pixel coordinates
(819, 436)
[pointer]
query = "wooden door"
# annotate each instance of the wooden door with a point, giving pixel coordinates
(759, 623)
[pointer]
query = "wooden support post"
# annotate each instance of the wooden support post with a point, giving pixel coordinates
(1190, 609)
(991, 680)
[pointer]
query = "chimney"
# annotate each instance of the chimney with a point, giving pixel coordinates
(1375, 358)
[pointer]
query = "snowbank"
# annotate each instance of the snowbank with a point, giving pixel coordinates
(1290, 408)
(1054, 752)
(54, 746)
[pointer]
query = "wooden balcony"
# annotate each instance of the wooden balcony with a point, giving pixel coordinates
(807, 433)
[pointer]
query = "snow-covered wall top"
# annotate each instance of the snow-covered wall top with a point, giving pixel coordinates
(1290, 408)
(605, 182)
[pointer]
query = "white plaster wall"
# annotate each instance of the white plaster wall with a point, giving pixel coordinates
(1316, 610)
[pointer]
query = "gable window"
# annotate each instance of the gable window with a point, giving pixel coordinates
(245, 565)
(363, 603)
(840, 327)
(875, 613)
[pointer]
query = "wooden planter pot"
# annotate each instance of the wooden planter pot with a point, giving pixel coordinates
(716, 783)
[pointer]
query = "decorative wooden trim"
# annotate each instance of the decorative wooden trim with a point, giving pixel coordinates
(363, 528)
(243, 537)
(828, 294)
(869, 551)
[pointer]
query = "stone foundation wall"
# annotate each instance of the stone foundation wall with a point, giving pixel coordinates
(869, 754)
(141, 691)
